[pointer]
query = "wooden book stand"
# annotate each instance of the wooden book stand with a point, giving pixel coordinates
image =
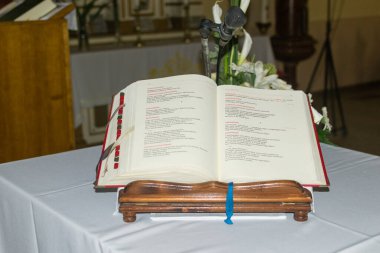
(282, 196)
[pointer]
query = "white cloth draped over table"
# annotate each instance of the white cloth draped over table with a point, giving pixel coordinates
(47, 204)
(97, 76)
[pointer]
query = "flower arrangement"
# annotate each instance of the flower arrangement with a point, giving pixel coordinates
(236, 69)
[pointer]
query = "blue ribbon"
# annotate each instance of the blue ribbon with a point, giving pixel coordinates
(229, 203)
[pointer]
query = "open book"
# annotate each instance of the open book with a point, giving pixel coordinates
(187, 129)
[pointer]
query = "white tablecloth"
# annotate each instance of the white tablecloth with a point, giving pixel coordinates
(97, 76)
(47, 204)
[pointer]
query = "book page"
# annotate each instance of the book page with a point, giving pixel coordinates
(266, 135)
(38, 11)
(175, 129)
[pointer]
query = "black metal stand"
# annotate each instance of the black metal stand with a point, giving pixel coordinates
(331, 92)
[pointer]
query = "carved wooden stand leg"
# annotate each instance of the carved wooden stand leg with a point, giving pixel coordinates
(300, 216)
(129, 216)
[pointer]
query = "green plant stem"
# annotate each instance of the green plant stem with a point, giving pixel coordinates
(231, 55)
(235, 2)
(234, 58)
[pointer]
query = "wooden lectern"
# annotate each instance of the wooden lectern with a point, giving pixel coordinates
(35, 95)
(281, 196)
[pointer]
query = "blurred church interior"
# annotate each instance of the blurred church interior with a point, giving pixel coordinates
(111, 44)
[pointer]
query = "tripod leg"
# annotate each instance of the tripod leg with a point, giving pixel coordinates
(330, 103)
(316, 68)
(337, 95)
(332, 93)
(327, 74)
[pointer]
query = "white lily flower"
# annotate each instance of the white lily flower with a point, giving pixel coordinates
(246, 47)
(310, 98)
(326, 120)
(265, 82)
(246, 67)
(280, 84)
(217, 13)
(262, 85)
(246, 84)
(244, 5)
(316, 116)
(213, 76)
(260, 72)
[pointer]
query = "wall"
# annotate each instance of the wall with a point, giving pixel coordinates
(354, 48)
(347, 8)
(354, 42)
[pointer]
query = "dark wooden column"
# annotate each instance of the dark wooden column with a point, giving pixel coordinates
(291, 43)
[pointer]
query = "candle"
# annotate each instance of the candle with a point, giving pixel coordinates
(264, 11)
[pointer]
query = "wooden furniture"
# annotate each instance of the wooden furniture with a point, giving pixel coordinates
(291, 43)
(35, 95)
(210, 197)
(66, 8)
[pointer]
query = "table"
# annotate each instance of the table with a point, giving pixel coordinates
(98, 75)
(47, 204)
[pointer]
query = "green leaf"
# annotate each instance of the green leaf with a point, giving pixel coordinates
(235, 2)
(271, 68)
(323, 136)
